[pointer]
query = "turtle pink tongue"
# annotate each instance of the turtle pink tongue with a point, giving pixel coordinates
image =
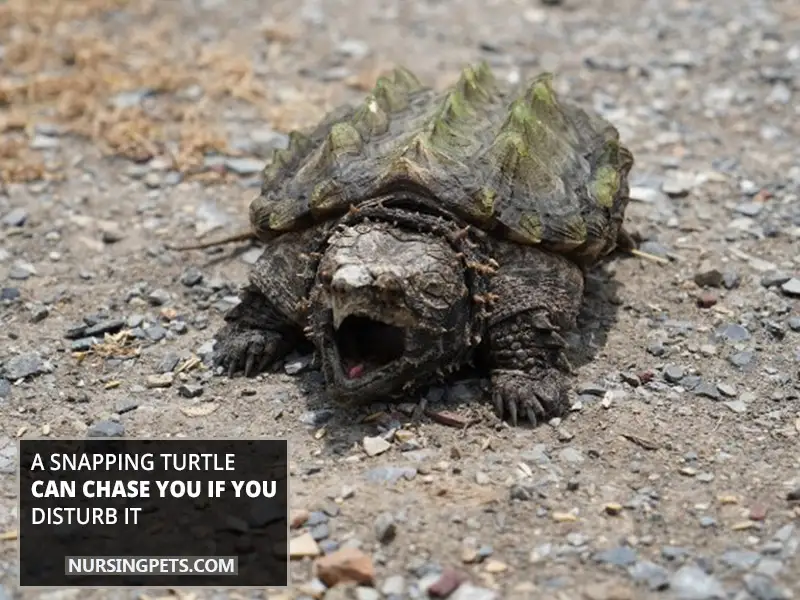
(355, 371)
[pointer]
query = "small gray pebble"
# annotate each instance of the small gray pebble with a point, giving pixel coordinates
(316, 517)
(298, 365)
(385, 527)
(5, 388)
(655, 248)
(135, 321)
(126, 405)
(621, 556)
(18, 273)
(9, 293)
(191, 277)
(655, 576)
(16, 217)
(244, 166)
(571, 455)
(772, 547)
(103, 327)
(593, 389)
(24, 365)
(158, 297)
(764, 588)
(770, 566)
(690, 382)
(740, 559)
(742, 359)
(106, 428)
(730, 279)
(774, 278)
(784, 533)
(791, 287)
(320, 532)
(732, 332)
(726, 390)
(327, 546)
(190, 390)
(673, 373)
(521, 492)
(469, 591)
(206, 350)
(577, 539)
(394, 586)
(168, 362)
(707, 390)
(690, 582)
(390, 475)
(707, 521)
(111, 236)
(749, 209)
(156, 333)
(316, 418)
(39, 313)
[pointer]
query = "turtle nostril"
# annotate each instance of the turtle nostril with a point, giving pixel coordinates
(351, 276)
(388, 282)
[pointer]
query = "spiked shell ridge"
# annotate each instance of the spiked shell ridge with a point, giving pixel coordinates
(521, 164)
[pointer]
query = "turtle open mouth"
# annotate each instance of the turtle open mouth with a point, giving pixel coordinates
(366, 345)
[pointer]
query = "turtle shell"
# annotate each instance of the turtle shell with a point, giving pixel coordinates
(519, 163)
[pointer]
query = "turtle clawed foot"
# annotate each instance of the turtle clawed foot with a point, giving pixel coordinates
(250, 351)
(533, 397)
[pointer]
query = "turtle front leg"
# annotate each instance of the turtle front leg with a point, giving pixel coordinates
(538, 296)
(254, 336)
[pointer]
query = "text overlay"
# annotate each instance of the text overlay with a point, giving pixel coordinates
(115, 498)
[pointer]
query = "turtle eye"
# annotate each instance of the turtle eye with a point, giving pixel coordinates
(325, 277)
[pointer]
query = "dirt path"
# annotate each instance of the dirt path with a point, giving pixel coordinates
(126, 126)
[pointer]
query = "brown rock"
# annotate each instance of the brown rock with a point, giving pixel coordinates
(708, 278)
(706, 300)
(346, 565)
(758, 512)
(447, 583)
(646, 376)
(298, 517)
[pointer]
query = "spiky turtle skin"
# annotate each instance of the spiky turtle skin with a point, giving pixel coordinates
(450, 227)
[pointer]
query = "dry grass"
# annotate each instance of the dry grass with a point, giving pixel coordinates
(66, 59)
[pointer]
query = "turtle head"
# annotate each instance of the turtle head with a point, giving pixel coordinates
(391, 309)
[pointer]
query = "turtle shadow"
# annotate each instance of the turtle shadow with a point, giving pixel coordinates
(464, 399)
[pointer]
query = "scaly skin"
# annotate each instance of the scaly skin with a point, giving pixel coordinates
(539, 296)
(377, 269)
(268, 322)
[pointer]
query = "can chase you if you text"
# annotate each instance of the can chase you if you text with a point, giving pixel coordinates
(115, 488)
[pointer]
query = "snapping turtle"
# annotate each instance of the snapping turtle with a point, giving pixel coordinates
(422, 230)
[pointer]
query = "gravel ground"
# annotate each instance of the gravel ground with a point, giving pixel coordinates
(127, 126)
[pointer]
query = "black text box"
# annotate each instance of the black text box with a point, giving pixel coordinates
(216, 523)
